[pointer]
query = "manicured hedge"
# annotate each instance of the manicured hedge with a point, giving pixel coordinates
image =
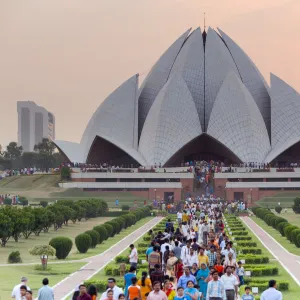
(247, 244)
(243, 238)
(254, 259)
(94, 236)
(261, 270)
(103, 234)
(101, 285)
(62, 245)
(286, 229)
(250, 250)
(83, 242)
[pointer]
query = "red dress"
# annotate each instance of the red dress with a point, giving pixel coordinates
(178, 270)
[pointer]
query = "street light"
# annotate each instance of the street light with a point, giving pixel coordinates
(251, 195)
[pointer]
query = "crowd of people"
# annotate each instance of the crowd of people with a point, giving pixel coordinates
(191, 259)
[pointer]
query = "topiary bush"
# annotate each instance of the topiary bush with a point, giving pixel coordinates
(83, 242)
(109, 229)
(44, 203)
(14, 257)
(7, 201)
(125, 207)
(103, 234)
(280, 227)
(62, 245)
(294, 235)
(278, 209)
(94, 236)
(288, 230)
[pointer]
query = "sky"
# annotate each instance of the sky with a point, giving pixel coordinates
(69, 55)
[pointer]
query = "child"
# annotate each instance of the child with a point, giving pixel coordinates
(180, 294)
(173, 283)
(134, 289)
(240, 272)
(247, 295)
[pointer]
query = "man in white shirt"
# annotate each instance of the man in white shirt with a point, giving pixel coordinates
(185, 250)
(16, 293)
(230, 284)
(190, 259)
(111, 283)
(179, 217)
(133, 257)
(271, 293)
(163, 246)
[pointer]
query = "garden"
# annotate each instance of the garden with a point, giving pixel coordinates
(258, 261)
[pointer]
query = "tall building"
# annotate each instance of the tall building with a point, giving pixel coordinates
(34, 124)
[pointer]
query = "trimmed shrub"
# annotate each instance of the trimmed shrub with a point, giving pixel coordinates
(121, 259)
(103, 234)
(23, 201)
(44, 203)
(62, 245)
(278, 209)
(247, 244)
(125, 207)
(14, 257)
(288, 230)
(83, 242)
(94, 236)
(280, 227)
(101, 285)
(294, 235)
(243, 238)
(254, 259)
(109, 229)
(7, 201)
(298, 240)
(251, 250)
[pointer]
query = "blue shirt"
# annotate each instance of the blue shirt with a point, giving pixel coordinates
(149, 251)
(180, 298)
(182, 282)
(45, 293)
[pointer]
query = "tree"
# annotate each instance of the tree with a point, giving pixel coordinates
(296, 206)
(6, 228)
(45, 151)
(13, 151)
(43, 252)
(29, 228)
(29, 159)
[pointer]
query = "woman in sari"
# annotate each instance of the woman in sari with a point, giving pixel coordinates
(191, 293)
(178, 269)
(127, 279)
(171, 263)
(201, 276)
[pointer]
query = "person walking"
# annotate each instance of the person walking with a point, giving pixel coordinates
(157, 293)
(83, 295)
(271, 293)
(111, 284)
(215, 288)
(187, 276)
(133, 257)
(45, 292)
(231, 283)
(16, 294)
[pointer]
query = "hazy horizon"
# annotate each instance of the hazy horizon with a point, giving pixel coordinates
(68, 55)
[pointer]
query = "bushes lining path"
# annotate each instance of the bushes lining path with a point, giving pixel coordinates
(286, 259)
(65, 287)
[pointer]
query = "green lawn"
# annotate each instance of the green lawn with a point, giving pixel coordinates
(277, 236)
(286, 199)
(72, 230)
(290, 216)
(10, 276)
(294, 289)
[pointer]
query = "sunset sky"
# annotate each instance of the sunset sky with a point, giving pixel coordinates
(68, 55)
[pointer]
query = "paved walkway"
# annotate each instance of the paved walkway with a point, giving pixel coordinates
(288, 260)
(98, 262)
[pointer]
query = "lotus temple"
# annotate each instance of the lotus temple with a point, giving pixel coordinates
(203, 99)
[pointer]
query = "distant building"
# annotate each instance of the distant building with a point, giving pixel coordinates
(34, 124)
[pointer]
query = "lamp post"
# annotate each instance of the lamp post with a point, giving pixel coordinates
(251, 195)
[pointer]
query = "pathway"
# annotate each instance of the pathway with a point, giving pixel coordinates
(288, 260)
(95, 263)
